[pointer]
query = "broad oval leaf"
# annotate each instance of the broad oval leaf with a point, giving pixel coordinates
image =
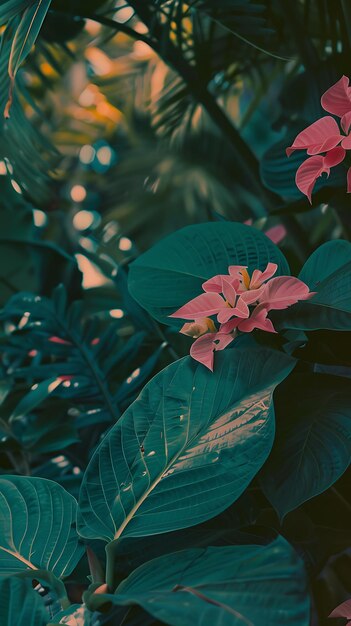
(244, 585)
(312, 447)
(185, 449)
(324, 261)
(172, 272)
(20, 605)
(37, 518)
(329, 309)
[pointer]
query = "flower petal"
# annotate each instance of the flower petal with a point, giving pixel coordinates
(224, 284)
(349, 180)
(283, 291)
(276, 233)
(258, 319)
(337, 99)
(335, 156)
(205, 305)
(240, 310)
(198, 327)
(343, 610)
(320, 136)
(307, 174)
(259, 277)
(346, 142)
(346, 122)
(204, 347)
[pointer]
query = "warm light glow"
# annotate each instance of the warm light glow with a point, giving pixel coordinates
(92, 277)
(125, 244)
(88, 96)
(39, 218)
(83, 220)
(92, 27)
(142, 50)
(99, 60)
(78, 193)
(104, 155)
(117, 313)
(87, 154)
(16, 186)
(123, 15)
(3, 169)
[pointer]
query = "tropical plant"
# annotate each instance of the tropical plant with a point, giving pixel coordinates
(147, 201)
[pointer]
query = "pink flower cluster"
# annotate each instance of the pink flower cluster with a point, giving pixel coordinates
(240, 303)
(324, 136)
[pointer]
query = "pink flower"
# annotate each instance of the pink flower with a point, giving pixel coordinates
(343, 610)
(240, 303)
(324, 136)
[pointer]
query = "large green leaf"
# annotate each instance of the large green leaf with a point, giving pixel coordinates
(172, 272)
(185, 449)
(324, 261)
(329, 309)
(312, 447)
(37, 518)
(20, 605)
(245, 585)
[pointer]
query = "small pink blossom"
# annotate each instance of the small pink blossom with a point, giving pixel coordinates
(241, 303)
(324, 136)
(343, 610)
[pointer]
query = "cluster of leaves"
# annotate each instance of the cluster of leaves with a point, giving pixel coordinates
(191, 496)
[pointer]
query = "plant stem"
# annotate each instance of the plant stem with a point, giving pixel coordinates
(110, 550)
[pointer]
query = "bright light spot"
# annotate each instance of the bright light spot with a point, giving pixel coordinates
(87, 154)
(104, 155)
(83, 220)
(100, 62)
(88, 96)
(125, 244)
(16, 186)
(76, 470)
(9, 166)
(34, 387)
(40, 218)
(66, 383)
(123, 15)
(110, 230)
(87, 244)
(117, 313)
(92, 27)
(142, 50)
(3, 168)
(54, 384)
(141, 28)
(78, 193)
(133, 375)
(92, 277)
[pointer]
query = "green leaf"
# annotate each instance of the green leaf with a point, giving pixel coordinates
(312, 447)
(23, 33)
(37, 519)
(10, 8)
(172, 272)
(245, 585)
(329, 309)
(324, 261)
(20, 605)
(185, 449)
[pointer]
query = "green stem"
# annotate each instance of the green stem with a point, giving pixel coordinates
(110, 550)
